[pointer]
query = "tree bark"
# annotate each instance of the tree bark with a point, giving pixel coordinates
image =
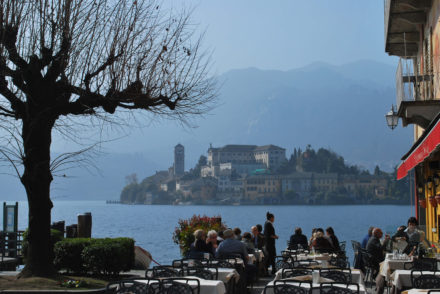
(37, 177)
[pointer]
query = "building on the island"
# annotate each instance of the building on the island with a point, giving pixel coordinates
(179, 160)
(374, 185)
(325, 182)
(412, 32)
(243, 159)
(204, 189)
(258, 187)
(300, 183)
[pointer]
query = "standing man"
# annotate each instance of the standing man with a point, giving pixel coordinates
(270, 237)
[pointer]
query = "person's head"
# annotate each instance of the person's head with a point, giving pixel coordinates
(401, 228)
(330, 231)
(227, 234)
(320, 230)
(370, 231)
(259, 228)
(254, 230)
(220, 234)
(212, 235)
(377, 232)
(247, 236)
(199, 234)
(313, 231)
(412, 223)
(298, 231)
(319, 234)
(270, 216)
(237, 231)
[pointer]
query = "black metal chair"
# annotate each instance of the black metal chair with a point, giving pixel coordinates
(162, 272)
(342, 245)
(425, 264)
(369, 267)
(340, 275)
(339, 288)
(221, 263)
(187, 262)
(289, 287)
(356, 246)
(203, 272)
(306, 263)
(147, 286)
(282, 262)
(180, 286)
(339, 261)
(295, 272)
(422, 280)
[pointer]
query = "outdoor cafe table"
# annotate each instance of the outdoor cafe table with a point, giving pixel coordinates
(391, 264)
(206, 286)
(356, 276)
(402, 278)
(315, 287)
(311, 256)
(419, 291)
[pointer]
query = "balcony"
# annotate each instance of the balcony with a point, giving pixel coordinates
(417, 95)
(402, 25)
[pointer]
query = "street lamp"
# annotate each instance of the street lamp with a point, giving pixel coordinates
(392, 118)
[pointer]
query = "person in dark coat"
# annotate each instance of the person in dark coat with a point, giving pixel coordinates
(335, 242)
(270, 237)
(257, 238)
(298, 239)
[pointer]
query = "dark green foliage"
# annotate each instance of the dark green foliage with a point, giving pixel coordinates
(109, 256)
(55, 237)
(68, 254)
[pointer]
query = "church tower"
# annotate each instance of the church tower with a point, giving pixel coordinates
(179, 160)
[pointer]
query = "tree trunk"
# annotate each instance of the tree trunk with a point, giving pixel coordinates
(37, 177)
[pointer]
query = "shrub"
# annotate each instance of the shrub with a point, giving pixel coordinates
(68, 254)
(109, 256)
(183, 234)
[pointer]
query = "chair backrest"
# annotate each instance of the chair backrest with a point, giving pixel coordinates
(342, 245)
(422, 280)
(306, 263)
(367, 259)
(203, 272)
(426, 264)
(356, 246)
(295, 272)
(281, 262)
(164, 272)
(289, 287)
(340, 261)
(181, 286)
(186, 262)
(341, 275)
(221, 263)
(339, 288)
(147, 286)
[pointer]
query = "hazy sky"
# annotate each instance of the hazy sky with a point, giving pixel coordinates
(286, 34)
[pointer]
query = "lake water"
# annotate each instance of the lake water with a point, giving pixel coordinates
(152, 226)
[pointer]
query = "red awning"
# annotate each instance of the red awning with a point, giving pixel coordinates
(424, 146)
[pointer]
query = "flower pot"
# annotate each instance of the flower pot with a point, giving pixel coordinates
(433, 201)
(422, 203)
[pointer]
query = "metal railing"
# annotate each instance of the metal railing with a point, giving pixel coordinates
(417, 84)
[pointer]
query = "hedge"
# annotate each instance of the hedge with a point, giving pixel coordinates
(107, 256)
(55, 237)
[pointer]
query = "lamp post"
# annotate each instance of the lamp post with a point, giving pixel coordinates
(392, 118)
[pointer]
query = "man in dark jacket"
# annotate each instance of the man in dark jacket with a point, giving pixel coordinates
(257, 238)
(376, 251)
(298, 239)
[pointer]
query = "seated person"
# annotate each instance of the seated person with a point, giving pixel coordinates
(232, 247)
(247, 241)
(298, 240)
(237, 234)
(257, 238)
(334, 240)
(320, 243)
(413, 235)
(212, 242)
(199, 247)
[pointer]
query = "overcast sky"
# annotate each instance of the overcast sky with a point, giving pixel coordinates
(286, 34)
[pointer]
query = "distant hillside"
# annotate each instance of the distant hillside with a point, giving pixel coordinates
(337, 107)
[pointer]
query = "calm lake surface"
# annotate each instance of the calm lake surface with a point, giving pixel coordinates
(152, 226)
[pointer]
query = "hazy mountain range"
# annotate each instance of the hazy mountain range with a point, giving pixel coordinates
(337, 107)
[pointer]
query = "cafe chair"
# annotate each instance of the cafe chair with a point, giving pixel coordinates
(186, 262)
(341, 275)
(425, 264)
(180, 286)
(289, 287)
(162, 272)
(306, 263)
(368, 266)
(339, 288)
(282, 262)
(424, 281)
(221, 263)
(294, 272)
(147, 286)
(341, 262)
(356, 257)
(342, 245)
(203, 272)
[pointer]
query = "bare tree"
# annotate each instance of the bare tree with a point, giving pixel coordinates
(70, 58)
